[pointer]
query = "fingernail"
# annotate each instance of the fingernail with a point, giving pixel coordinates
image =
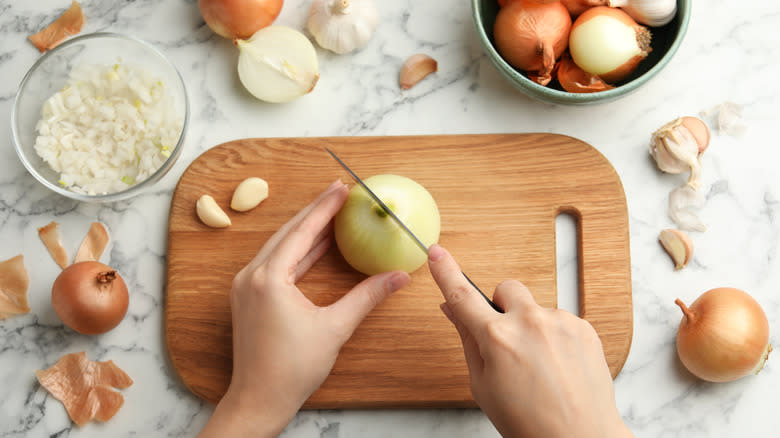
(435, 252)
(335, 184)
(447, 312)
(398, 280)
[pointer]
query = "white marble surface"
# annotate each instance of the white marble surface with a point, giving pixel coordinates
(730, 54)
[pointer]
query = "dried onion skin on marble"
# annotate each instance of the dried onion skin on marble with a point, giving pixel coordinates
(85, 387)
(68, 24)
(52, 240)
(14, 284)
(93, 245)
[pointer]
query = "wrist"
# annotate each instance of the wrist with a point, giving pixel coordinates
(238, 415)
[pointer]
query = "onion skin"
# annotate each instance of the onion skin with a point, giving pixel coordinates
(90, 297)
(239, 19)
(593, 60)
(575, 80)
(723, 336)
(530, 36)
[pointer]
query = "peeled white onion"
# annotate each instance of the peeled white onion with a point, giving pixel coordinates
(608, 43)
(369, 239)
(277, 64)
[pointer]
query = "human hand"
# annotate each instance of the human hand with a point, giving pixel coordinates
(535, 372)
(284, 346)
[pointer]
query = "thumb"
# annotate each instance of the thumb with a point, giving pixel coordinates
(352, 308)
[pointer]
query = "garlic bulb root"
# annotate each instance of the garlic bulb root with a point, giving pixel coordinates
(343, 26)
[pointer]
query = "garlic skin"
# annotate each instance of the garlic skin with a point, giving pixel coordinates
(277, 64)
(684, 201)
(676, 149)
(343, 26)
(652, 13)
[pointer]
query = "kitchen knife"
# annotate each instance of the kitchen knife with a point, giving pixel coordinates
(403, 226)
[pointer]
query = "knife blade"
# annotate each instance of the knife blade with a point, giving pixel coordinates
(401, 224)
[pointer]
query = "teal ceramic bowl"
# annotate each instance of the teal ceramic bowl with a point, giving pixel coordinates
(666, 41)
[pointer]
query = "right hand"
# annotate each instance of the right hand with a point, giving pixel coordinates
(535, 372)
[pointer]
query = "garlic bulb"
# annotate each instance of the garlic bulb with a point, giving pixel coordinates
(343, 25)
(277, 64)
(677, 145)
(649, 12)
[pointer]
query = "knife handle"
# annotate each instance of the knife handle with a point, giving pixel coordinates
(492, 304)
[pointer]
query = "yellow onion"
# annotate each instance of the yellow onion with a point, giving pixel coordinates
(723, 336)
(608, 43)
(530, 36)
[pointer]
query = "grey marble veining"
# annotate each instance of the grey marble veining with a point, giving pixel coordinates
(729, 54)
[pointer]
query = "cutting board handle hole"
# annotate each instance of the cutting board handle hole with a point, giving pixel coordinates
(567, 262)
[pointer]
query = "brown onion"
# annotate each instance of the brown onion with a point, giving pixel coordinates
(90, 297)
(723, 336)
(530, 36)
(239, 19)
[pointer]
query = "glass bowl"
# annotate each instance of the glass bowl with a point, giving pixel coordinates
(50, 73)
(665, 42)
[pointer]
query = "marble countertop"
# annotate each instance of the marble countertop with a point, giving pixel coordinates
(728, 55)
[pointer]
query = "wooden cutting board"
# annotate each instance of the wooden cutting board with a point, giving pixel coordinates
(498, 196)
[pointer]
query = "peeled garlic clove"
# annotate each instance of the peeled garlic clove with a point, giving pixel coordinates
(650, 12)
(249, 194)
(678, 245)
(415, 69)
(343, 26)
(277, 64)
(210, 213)
(675, 150)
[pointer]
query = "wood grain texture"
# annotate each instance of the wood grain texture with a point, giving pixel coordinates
(498, 196)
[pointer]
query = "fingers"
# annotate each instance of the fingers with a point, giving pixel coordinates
(352, 308)
(511, 295)
(466, 304)
(299, 241)
(285, 229)
(318, 250)
(470, 348)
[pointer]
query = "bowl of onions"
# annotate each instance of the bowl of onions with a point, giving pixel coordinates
(580, 52)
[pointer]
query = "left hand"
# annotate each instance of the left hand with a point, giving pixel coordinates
(284, 346)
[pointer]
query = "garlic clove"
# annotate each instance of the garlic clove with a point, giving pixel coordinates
(210, 214)
(676, 149)
(343, 26)
(277, 64)
(249, 194)
(415, 69)
(699, 131)
(678, 245)
(653, 13)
